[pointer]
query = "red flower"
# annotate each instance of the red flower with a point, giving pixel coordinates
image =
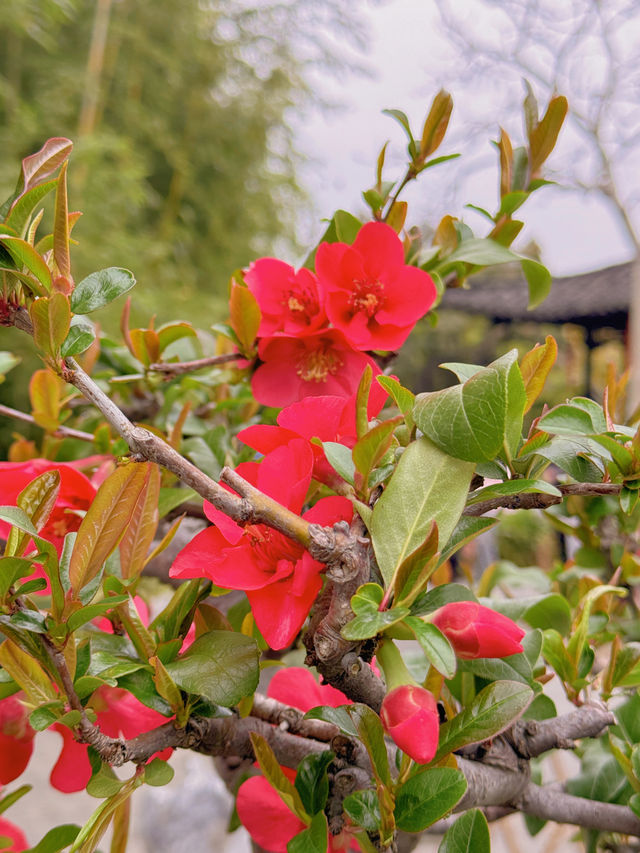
(289, 301)
(295, 686)
(16, 739)
(75, 496)
(371, 294)
(270, 823)
(310, 365)
(280, 577)
(409, 715)
(17, 836)
(119, 714)
(475, 631)
(328, 418)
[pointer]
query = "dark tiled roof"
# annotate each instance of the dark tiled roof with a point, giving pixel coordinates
(599, 298)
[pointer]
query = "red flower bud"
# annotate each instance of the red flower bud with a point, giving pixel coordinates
(409, 715)
(475, 631)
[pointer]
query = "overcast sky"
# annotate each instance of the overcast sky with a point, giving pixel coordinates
(408, 59)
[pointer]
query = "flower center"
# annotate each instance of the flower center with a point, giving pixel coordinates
(271, 546)
(315, 366)
(367, 296)
(302, 304)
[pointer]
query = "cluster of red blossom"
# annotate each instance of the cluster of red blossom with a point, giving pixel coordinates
(313, 337)
(315, 330)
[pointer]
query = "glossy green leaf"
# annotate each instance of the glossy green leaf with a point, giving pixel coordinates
(368, 620)
(313, 839)
(539, 280)
(414, 572)
(363, 807)
(222, 666)
(494, 709)
(437, 649)
(100, 288)
(439, 596)
(479, 419)
(469, 834)
(79, 339)
(466, 530)
(577, 417)
(336, 716)
(369, 450)
(427, 796)
(428, 485)
(312, 782)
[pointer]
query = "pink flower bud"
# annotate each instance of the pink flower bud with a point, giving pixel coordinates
(409, 715)
(475, 631)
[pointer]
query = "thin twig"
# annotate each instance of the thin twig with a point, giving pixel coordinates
(538, 500)
(60, 432)
(176, 368)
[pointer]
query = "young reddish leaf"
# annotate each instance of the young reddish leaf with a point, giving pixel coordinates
(506, 162)
(142, 525)
(446, 234)
(61, 226)
(397, 215)
(535, 367)
(530, 106)
(26, 672)
(166, 686)
(544, 137)
(273, 774)
(51, 318)
(175, 436)
(145, 345)
(45, 392)
(105, 522)
(37, 499)
(36, 167)
(166, 540)
(245, 315)
(436, 123)
(24, 255)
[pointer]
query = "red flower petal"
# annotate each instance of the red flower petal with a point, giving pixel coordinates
(17, 836)
(72, 770)
(265, 816)
(296, 686)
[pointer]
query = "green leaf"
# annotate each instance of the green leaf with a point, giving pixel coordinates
(414, 572)
(24, 255)
(346, 225)
(51, 320)
(577, 417)
(275, 776)
(370, 621)
(363, 807)
(428, 485)
(222, 666)
(312, 782)
(104, 783)
(492, 711)
(478, 419)
(340, 459)
(56, 839)
(539, 281)
(427, 796)
(434, 644)
(402, 120)
(462, 370)
(568, 454)
(23, 207)
(439, 596)
(336, 716)
(79, 339)
(513, 487)
(313, 839)
(402, 397)
(469, 834)
(466, 530)
(483, 252)
(28, 673)
(100, 288)
(436, 123)
(371, 733)
(7, 362)
(158, 773)
(13, 797)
